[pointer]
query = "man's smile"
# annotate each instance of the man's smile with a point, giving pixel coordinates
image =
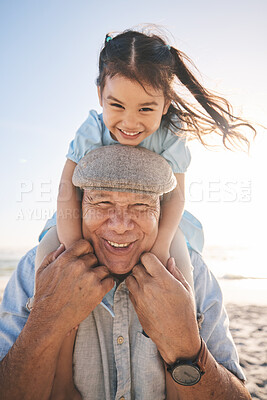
(116, 247)
(114, 244)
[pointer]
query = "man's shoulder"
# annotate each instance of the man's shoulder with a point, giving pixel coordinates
(24, 276)
(27, 262)
(200, 267)
(205, 283)
(13, 310)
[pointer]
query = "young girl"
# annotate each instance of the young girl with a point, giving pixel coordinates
(141, 107)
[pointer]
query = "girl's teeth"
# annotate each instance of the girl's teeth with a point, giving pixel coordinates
(130, 133)
(113, 244)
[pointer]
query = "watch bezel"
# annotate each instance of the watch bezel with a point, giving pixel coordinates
(199, 364)
(179, 366)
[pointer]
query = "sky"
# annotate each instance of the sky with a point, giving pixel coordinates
(49, 52)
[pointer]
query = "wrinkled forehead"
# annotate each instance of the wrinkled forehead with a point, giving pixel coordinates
(92, 195)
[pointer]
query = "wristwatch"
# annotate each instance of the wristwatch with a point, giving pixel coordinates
(189, 372)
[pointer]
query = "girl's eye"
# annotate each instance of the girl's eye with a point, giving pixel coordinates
(146, 109)
(116, 105)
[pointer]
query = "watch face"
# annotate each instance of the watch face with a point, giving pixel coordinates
(186, 375)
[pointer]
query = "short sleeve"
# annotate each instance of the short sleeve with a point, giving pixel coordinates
(215, 323)
(176, 152)
(13, 311)
(170, 146)
(87, 138)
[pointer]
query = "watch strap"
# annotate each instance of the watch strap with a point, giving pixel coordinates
(200, 359)
(202, 356)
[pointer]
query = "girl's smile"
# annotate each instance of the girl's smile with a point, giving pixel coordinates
(131, 112)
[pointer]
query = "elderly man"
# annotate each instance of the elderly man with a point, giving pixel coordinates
(138, 335)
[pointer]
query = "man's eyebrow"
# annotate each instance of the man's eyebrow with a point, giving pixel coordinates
(96, 196)
(93, 196)
(147, 198)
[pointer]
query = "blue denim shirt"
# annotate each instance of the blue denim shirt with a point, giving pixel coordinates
(112, 317)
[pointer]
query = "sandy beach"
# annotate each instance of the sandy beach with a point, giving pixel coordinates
(248, 324)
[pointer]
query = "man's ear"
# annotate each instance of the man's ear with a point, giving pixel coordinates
(166, 107)
(99, 95)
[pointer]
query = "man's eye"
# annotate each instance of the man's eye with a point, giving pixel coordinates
(104, 203)
(140, 206)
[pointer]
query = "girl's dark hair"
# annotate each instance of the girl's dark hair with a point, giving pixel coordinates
(151, 62)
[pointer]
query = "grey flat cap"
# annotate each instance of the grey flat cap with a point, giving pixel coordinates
(124, 169)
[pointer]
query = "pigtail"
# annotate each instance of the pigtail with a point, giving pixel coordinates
(221, 118)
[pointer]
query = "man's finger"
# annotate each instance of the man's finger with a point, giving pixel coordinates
(59, 250)
(79, 249)
(133, 300)
(90, 260)
(131, 284)
(152, 264)
(102, 272)
(139, 273)
(107, 283)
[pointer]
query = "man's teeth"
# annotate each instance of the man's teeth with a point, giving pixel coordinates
(129, 133)
(118, 244)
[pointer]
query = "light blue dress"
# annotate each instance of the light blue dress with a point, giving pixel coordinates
(94, 134)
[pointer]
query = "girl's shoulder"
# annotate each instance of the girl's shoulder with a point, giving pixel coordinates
(170, 145)
(88, 137)
(164, 136)
(94, 120)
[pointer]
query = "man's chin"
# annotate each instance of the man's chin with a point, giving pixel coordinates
(120, 277)
(119, 270)
(119, 273)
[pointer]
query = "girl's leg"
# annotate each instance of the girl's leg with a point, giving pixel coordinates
(48, 244)
(179, 252)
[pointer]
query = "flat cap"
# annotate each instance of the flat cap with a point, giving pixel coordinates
(124, 169)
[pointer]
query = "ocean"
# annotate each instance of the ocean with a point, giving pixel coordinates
(235, 267)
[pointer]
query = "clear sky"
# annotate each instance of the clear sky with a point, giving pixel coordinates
(48, 52)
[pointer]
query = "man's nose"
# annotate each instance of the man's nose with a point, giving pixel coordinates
(120, 221)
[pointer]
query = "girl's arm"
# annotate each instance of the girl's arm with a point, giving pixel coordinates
(68, 208)
(172, 208)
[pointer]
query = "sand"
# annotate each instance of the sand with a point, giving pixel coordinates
(248, 324)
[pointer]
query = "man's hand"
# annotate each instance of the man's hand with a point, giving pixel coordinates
(70, 285)
(164, 303)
